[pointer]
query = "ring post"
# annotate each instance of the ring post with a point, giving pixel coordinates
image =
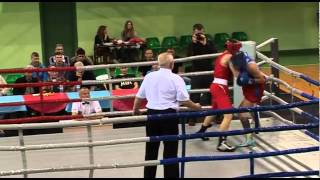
(275, 56)
(251, 163)
(183, 154)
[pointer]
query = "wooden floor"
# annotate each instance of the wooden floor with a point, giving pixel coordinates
(311, 71)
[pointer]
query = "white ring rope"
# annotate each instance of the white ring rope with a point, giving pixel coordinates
(102, 121)
(265, 43)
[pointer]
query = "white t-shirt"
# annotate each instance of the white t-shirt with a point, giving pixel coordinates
(86, 108)
(163, 90)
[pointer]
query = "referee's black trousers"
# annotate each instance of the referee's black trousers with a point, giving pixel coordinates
(159, 128)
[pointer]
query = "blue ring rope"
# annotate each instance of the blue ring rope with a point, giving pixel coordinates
(233, 132)
(238, 156)
(282, 174)
(231, 110)
(302, 76)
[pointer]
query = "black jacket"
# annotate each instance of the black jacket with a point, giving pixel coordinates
(22, 91)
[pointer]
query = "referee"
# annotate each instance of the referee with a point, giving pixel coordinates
(164, 91)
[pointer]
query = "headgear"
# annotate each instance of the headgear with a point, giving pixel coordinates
(233, 46)
(240, 60)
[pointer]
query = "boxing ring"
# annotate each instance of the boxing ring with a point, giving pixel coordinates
(92, 148)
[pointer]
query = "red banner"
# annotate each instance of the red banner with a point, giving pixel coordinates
(125, 104)
(48, 107)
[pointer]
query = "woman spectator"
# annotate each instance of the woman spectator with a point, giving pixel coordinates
(128, 31)
(128, 54)
(102, 36)
(100, 50)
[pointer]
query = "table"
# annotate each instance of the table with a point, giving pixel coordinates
(10, 109)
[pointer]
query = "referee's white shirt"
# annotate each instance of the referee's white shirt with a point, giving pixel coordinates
(163, 90)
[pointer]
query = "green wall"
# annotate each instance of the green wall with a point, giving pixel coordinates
(294, 23)
(19, 33)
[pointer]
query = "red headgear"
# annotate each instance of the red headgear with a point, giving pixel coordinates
(233, 46)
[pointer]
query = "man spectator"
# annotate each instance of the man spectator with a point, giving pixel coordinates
(80, 75)
(81, 56)
(59, 49)
(164, 92)
(59, 62)
(35, 62)
(148, 56)
(27, 78)
(200, 45)
(53, 75)
(126, 84)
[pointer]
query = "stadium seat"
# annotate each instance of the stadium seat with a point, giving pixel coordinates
(11, 78)
(220, 39)
(169, 42)
(241, 36)
(154, 44)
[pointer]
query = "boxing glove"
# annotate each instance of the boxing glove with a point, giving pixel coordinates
(245, 79)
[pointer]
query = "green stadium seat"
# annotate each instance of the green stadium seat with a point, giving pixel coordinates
(98, 72)
(241, 36)
(11, 78)
(154, 44)
(169, 42)
(185, 40)
(209, 37)
(220, 39)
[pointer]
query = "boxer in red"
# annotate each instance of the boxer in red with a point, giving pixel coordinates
(252, 81)
(220, 93)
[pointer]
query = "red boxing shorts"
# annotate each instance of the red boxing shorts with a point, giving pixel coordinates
(253, 93)
(220, 98)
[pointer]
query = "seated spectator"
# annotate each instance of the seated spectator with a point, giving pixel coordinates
(53, 76)
(80, 75)
(87, 107)
(3, 91)
(178, 67)
(35, 62)
(81, 56)
(59, 49)
(148, 56)
(59, 62)
(126, 84)
(100, 51)
(128, 33)
(27, 78)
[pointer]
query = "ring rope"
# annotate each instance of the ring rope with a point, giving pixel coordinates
(163, 162)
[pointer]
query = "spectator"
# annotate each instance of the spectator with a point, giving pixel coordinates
(3, 91)
(80, 75)
(128, 31)
(52, 77)
(178, 67)
(148, 56)
(87, 107)
(35, 62)
(59, 62)
(200, 45)
(81, 56)
(27, 78)
(59, 49)
(126, 84)
(101, 38)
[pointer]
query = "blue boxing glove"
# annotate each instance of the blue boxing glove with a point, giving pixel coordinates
(245, 79)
